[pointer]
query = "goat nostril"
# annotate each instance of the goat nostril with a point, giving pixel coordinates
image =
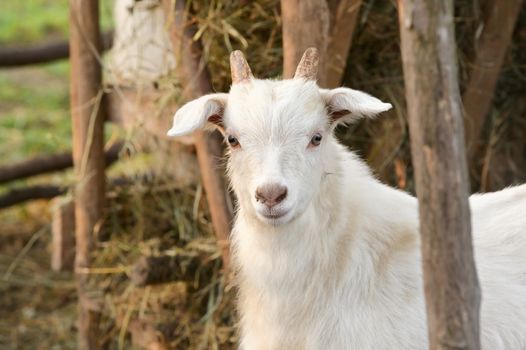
(259, 196)
(282, 196)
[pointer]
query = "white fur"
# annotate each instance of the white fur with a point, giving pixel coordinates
(193, 115)
(341, 268)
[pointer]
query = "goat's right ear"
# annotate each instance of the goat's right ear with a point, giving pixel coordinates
(197, 113)
(346, 105)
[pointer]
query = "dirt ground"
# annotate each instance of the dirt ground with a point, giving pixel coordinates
(37, 305)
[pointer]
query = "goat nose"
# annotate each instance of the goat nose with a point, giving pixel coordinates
(271, 194)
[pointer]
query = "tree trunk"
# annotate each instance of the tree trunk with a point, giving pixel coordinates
(88, 150)
(327, 25)
(305, 24)
(195, 78)
(437, 144)
(343, 20)
(499, 19)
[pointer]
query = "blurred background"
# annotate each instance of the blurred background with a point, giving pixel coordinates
(156, 206)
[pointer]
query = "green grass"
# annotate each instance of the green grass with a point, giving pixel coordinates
(29, 21)
(34, 115)
(34, 101)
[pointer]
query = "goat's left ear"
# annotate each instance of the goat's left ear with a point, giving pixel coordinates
(346, 105)
(197, 113)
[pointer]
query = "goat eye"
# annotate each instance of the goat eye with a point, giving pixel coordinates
(316, 139)
(232, 141)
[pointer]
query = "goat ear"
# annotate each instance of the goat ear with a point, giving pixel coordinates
(346, 105)
(197, 113)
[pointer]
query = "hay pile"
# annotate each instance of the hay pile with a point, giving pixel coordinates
(194, 310)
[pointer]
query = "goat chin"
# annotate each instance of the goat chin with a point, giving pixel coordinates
(346, 272)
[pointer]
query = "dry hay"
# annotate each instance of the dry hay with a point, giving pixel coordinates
(194, 311)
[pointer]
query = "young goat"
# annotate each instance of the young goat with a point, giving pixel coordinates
(328, 257)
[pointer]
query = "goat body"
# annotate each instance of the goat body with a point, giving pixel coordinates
(334, 261)
(347, 274)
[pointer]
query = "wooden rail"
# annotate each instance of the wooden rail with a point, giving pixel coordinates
(42, 53)
(49, 163)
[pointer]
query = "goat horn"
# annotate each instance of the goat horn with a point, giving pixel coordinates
(239, 68)
(308, 66)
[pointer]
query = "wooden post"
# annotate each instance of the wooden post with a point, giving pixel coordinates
(499, 19)
(437, 144)
(196, 80)
(305, 24)
(343, 20)
(63, 234)
(327, 25)
(88, 151)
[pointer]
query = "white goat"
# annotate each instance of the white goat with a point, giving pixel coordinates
(327, 256)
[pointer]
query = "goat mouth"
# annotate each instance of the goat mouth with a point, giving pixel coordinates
(274, 215)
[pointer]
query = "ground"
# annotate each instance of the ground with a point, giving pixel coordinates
(38, 306)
